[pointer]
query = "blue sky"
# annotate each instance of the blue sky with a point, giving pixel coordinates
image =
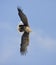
(42, 20)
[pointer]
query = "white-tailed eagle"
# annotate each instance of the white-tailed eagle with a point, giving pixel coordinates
(25, 29)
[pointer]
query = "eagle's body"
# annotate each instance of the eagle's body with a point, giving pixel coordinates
(24, 28)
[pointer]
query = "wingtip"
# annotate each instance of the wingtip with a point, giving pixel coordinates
(19, 8)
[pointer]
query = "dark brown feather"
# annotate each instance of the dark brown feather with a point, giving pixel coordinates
(22, 17)
(24, 42)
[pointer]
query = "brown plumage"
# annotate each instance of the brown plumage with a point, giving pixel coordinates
(24, 43)
(25, 29)
(23, 17)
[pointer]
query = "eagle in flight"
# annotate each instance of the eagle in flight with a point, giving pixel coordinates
(25, 28)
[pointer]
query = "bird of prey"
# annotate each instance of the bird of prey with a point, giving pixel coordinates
(25, 29)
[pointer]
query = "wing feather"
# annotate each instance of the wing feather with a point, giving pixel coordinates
(24, 42)
(22, 17)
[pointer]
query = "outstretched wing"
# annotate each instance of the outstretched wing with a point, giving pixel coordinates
(24, 42)
(22, 16)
